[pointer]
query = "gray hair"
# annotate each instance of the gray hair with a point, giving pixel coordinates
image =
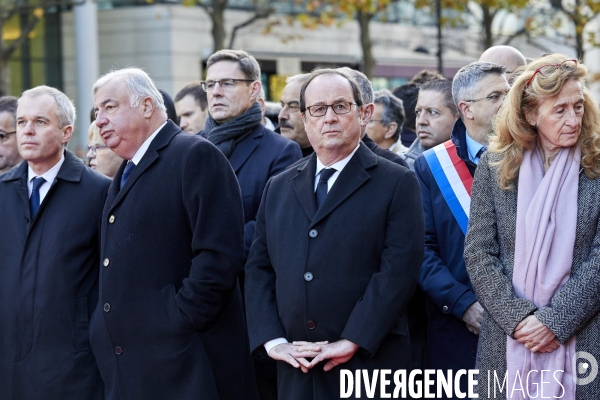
(393, 110)
(464, 85)
(247, 64)
(138, 84)
(365, 85)
(65, 109)
(297, 78)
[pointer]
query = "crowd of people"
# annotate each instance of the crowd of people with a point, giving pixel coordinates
(209, 251)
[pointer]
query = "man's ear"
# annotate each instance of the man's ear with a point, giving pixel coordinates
(148, 108)
(367, 113)
(256, 86)
(67, 132)
(391, 129)
(465, 110)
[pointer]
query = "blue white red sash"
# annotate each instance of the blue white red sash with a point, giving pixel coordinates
(453, 178)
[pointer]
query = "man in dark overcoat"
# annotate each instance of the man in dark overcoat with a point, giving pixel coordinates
(50, 211)
(324, 279)
(169, 323)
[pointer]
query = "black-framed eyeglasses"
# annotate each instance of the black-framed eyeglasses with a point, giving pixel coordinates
(4, 135)
(338, 108)
(94, 148)
(547, 70)
(492, 97)
(225, 84)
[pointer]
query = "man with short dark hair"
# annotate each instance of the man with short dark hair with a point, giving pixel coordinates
(324, 281)
(49, 256)
(169, 322)
(9, 151)
(385, 125)
(256, 153)
(436, 114)
(445, 173)
(191, 107)
(408, 93)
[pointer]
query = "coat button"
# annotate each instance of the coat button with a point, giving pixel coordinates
(106, 262)
(118, 350)
(111, 219)
(313, 233)
(445, 309)
(106, 307)
(311, 324)
(308, 276)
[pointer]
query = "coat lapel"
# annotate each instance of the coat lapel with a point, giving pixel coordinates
(245, 148)
(304, 184)
(353, 176)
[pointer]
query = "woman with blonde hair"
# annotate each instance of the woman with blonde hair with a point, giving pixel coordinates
(532, 248)
(99, 156)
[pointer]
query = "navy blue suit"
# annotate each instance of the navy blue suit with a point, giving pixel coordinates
(49, 284)
(443, 275)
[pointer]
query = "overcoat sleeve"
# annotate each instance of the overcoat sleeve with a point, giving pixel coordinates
(390, 289)
(213, 206)
(492, 286)
(436, 280)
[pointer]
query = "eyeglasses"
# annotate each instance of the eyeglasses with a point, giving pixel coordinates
(4, 135)
(94, 149)
(493, 98)
(547, 70)
(338, 108)
(226, 84)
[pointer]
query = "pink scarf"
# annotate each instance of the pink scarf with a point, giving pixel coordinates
(545, 238)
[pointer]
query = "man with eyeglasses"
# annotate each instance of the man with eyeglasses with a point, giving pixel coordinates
(255, 153)
(9, 151)
(325, 280)
(445, 173)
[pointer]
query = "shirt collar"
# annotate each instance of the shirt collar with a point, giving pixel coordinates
(49, 175)
(473, 148)
(137, 157)
(339, 165)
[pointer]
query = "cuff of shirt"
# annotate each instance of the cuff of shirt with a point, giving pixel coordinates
(272, 343)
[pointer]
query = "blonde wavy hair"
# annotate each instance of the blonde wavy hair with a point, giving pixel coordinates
(513, 134)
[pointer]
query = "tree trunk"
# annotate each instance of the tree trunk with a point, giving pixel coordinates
(364, 18)
(488, 18)
(218, 27)
(579, 26)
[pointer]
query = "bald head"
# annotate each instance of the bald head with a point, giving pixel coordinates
(508, 56)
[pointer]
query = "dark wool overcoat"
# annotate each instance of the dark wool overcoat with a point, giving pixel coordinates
(49, 284)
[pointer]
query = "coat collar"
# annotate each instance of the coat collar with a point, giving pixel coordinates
(245, 148)
(162, 139)
(459, 138)
(353, 176)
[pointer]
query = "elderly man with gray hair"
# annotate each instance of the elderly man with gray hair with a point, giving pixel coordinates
(387, 120)
(49, 253)
(169, 322)
(445, 173)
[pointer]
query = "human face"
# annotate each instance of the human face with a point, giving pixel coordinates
(482, 111)
(224, 105)
(41, 140)
(434, 120)
(290, 118)
(381, 134)
(105, 160)
(191, 116)
(9, 151)
(332, 136)
(123, 128)
(558, 119)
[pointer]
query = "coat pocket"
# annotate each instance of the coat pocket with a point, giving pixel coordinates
(82, 324)
(173, 312)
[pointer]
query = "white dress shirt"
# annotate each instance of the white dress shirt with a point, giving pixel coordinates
(137, 157)
(339, 166)
(49, 176)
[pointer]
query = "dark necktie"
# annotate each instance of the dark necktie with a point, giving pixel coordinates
(321, 191)
(126, 172)
(34, 199)
(481, 151)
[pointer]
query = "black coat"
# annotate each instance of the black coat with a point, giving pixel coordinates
(351, 273)
(49, 284)
(170, 323)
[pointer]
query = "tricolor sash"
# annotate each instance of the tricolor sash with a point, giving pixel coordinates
(453, 178)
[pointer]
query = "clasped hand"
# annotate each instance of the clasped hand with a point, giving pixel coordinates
(296, 353)
(536, 336)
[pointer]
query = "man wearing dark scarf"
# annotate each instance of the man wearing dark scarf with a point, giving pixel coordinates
(255, 153)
